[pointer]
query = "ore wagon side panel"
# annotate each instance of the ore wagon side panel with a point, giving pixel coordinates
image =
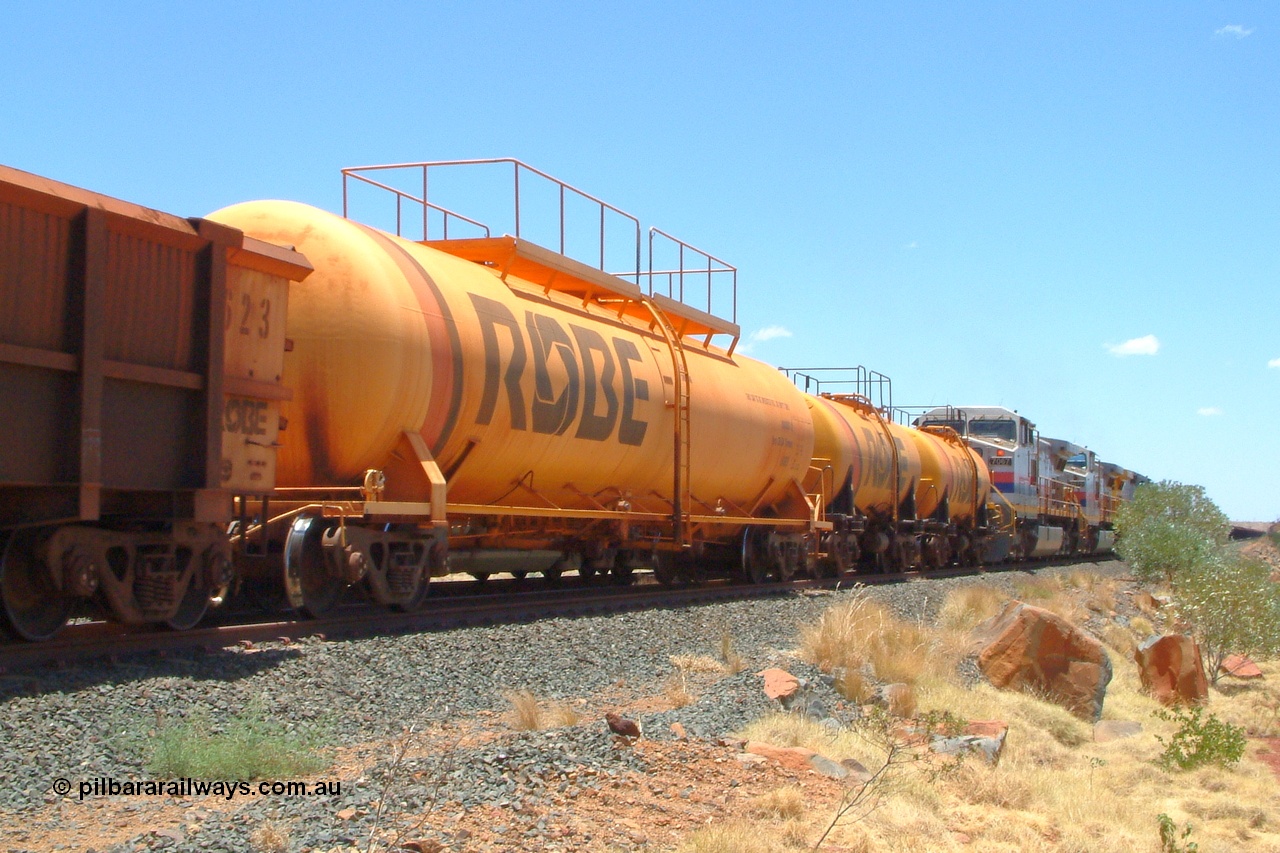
(111, 355)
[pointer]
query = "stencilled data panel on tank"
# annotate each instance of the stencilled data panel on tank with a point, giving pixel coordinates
(254, 359)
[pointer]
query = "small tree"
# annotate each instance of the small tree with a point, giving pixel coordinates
(1169, 528)
(1232, 606)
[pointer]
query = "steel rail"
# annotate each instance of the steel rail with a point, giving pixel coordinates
(99, 640)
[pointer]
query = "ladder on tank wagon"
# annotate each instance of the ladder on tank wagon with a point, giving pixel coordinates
(682, 499)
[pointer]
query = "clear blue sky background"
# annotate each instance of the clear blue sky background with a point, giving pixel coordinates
(976, 202)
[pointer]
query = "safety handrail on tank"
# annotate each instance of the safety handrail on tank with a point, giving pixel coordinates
(517, 168)
(401, 195)
(867, 383)
(715, 266)
(705, 325)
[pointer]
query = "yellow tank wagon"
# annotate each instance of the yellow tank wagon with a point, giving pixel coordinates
(907, 497)
(502, 396)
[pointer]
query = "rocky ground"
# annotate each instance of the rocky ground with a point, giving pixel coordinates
(420, 733)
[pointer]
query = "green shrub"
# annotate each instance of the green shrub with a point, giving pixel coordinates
(1169, 527)
(249, 745)
(1232, 606)
(1171, 841)
(1200, 739)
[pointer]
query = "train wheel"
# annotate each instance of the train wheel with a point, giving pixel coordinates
(312, 585)
(194, 604)
(34, 609)
(756, 559)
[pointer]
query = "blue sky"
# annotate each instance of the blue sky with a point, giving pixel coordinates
(991, 205)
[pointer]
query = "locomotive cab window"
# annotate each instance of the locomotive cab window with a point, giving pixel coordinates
(1002, 430)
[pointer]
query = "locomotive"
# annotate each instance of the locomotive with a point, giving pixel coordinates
(279, 398)
(1050, 496)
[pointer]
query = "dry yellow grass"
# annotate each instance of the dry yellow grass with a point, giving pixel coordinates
(269, 837)
(779, 804)
(1097, 592)
(1141, 627)
(1052, 593)
(561, 714)
(525, 715)
(1120, 639)
(862, 632)
(966, 606)
(1034, 589)
(744, 837)
(794, 730)
(1254, 705)
(529, 714)
(1054, 789)
(677, 690)
(697, 663)
(733, 662)
(853, 685)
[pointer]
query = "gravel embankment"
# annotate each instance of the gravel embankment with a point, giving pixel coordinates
(99, 720)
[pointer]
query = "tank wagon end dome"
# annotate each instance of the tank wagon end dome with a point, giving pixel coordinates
(361, 369)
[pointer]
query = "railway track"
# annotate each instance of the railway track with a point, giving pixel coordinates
(457, 604)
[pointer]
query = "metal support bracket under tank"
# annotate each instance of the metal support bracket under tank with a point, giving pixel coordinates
(411, 473)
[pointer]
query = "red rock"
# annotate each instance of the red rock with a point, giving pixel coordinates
(345, 814)
(1028, 648)
(1239, 666)
(791, 757)
(678, 731)
(986, 728)
(1171, 669)
(779, 684)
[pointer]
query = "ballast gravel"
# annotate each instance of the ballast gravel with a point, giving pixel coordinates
(99, 720)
